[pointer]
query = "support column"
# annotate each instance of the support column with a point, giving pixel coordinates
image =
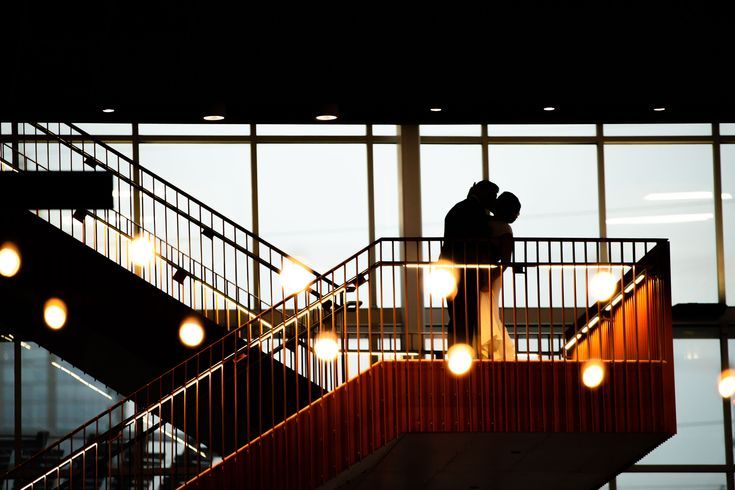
(255, 213)
(409, 209)
(18, 398)
(719, 231)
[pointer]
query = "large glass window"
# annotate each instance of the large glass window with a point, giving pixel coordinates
(313, 200)
(56, 397)
(195, 129)
(447, 173)
(556, 184)
(311, 130)
(678, 481)
(216, 174)
(657, 129)
(450, 130)
(728, 218)
(541, 130)
(665, 191)
(385, 175)
(7, 386)
(106, 129)
(699, 420)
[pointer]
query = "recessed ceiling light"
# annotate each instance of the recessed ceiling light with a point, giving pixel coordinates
(213, 117)
(659, 109)
(549, 108)
(436, 109)
(108, 110)
(326, 112)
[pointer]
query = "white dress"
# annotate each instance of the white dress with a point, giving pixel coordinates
(495, 343)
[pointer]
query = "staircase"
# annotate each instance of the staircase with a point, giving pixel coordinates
(202, 258)
(260, 408)
(203, 262)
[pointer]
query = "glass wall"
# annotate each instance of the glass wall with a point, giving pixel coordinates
(678, 481)
(385, 176)
(216, 174)
(56, 397)
(313, 200)
(447, 173)
(699, 418)
(556, 184)
(728, 218)
(665, 191)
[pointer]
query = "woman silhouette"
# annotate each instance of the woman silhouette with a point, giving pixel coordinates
(495, 343)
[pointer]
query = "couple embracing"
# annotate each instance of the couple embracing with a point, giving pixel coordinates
(477, 240)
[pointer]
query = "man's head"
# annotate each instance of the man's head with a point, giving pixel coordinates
(485, 192)
(507, 207)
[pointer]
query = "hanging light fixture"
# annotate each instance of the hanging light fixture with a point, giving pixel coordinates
(54, 313)
(593, 373)
(459, 359)
(9, 260)
(326, 346)
(293, 277)
(603, 285)
(191, 332)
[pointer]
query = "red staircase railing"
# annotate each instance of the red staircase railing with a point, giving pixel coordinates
(262, 405)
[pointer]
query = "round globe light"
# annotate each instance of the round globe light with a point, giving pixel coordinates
(9, 260)
(293, 277)
(326, 346)
(459, 359)
(602, 285)
(191, 332)
(54, 313)
(593, 373)
(142, 250)
(726, 383)
(441, 282)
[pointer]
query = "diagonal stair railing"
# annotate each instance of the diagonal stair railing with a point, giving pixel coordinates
(202, 258)
(232, 402)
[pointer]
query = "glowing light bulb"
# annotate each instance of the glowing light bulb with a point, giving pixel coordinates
(142, 251)
(593, 373)
(459, 359)
(293, 277)
(726, 383)
(9, 260)
(602, 285)
(326, 346)
(54, 313)
(191, 332)
(441, 282)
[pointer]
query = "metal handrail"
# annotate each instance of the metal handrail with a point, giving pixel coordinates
(138, 187)
(185, 258)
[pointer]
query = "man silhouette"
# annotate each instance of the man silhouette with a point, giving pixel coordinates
(465, 242)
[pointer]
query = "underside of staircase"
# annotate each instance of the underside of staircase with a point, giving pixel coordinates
(120, 329)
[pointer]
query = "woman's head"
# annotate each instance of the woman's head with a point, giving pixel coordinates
(485, 192)
(507, 207)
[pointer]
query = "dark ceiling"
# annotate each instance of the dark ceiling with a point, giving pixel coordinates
(173, 61)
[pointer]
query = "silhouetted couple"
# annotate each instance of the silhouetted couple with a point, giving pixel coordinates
(477, 239)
